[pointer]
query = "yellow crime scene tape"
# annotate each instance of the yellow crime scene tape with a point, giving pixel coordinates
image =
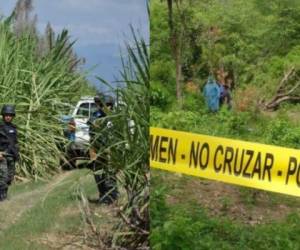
(255, 165)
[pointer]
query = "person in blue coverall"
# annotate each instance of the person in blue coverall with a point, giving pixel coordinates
(212, 93)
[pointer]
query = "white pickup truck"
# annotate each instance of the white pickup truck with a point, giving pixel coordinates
(76, 130)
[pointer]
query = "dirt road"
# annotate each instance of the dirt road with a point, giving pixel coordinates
(50, 215)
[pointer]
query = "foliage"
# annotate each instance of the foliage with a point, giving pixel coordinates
(225, 123)
(39, 87)
(193, 102)
(129, 146)
(254, 44)
(216, 40)
(179, 227)
(159, 96)
(283, 133)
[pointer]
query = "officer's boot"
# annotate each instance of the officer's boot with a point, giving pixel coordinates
(112, 189)
(115, 192)
(100, 181)
(108, 191)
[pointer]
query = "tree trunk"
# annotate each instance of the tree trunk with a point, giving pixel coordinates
(178, 76)
(175, 42)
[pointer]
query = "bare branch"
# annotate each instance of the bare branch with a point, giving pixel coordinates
(284, 92)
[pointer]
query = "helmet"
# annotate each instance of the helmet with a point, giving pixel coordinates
(8, 110)
(109, 101)
(98, 100)
(104, 99)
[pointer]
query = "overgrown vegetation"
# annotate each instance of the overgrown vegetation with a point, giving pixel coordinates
(38, 75)
(187, 226)
(257, 55)
(254, 46)
(129, 147)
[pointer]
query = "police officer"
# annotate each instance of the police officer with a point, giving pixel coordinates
(9, 150)
(103, 174)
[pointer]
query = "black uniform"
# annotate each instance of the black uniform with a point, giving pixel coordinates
(9, 146)
(104, 176)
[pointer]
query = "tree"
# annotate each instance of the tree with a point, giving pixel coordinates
(176, 34)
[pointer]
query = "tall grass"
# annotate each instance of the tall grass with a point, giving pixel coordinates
(135, 165)
(129, 146)
(38, 86)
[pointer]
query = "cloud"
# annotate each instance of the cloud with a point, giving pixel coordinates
(99, 26)
(87, 34)
(94, 21)
(99, 5)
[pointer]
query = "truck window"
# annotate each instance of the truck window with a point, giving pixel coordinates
(93, 108)
(83, 110)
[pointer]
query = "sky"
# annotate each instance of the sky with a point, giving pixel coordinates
(99, 27)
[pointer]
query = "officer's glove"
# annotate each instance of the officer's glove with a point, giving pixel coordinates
(1, 156)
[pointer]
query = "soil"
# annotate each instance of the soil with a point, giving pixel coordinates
(245, 205)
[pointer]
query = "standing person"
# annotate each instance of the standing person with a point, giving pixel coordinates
(222, 92)
(226, 95)
(212, 94)
(104, 176)
(9, 149)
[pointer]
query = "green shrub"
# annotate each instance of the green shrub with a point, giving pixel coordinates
(159, 96)
(282, 133)
(193, 102)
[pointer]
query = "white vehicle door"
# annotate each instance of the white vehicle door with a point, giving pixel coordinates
(81, 118)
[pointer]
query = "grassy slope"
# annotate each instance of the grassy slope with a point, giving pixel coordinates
(203, 214)
(217, 215)
(46, 215)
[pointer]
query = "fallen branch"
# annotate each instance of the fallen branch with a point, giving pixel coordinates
(284, 92)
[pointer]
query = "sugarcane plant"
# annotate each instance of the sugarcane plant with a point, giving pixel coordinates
(128, 148)
(135, 171)
(39, 85)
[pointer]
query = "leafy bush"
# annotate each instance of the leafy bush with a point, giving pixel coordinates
(282, 133)
(193, 102)
(177, 120)
(232, 123)
(128, 147)
(159, 96)
(162, 70)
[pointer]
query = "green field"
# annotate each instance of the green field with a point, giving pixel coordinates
(51, 214)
